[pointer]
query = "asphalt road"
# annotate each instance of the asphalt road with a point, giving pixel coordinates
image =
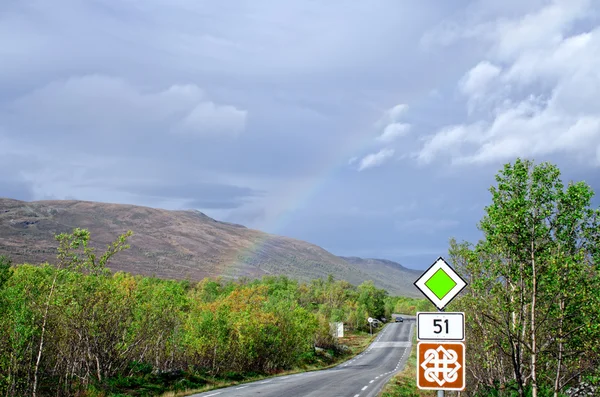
(363, 376)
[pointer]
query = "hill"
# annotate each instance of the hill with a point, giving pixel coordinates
(183, 244)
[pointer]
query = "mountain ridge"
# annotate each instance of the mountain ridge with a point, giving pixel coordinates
(181, 244)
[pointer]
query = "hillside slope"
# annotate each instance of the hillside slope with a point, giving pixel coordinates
(182, 244)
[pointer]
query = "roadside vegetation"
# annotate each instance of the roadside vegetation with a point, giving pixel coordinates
(75, 328)
(533, 301)
(532, 305)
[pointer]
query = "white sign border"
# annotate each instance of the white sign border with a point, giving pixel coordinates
(462, 314)
(439, 264)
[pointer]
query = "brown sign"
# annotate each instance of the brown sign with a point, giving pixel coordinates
(441, 365)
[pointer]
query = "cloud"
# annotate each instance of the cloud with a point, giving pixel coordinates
(390, 129)
(391, 126)
(538, 90)
(375, 159)
(391, 116)
(207, 117)
(478, 81)
(393, 131)
(113, 106)
(201, 195)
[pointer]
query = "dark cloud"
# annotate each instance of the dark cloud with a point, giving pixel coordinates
(17, 190)
(198, 195)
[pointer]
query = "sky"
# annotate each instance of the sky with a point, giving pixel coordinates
(371, 129)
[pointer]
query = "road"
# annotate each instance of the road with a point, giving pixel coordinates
(362, 376)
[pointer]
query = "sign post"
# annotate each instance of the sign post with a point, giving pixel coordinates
(440, 335)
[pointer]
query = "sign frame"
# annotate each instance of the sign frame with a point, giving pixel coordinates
(440, 303)
(420, 369)
(420, 330)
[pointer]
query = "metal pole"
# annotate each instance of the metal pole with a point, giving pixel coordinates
(441, 393)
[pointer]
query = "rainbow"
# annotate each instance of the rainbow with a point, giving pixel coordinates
(324, 170)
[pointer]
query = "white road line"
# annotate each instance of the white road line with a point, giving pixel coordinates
(238, 388)
(364, 388)
(356, 395)
(372, 381)
(214, 394)
(267, 381)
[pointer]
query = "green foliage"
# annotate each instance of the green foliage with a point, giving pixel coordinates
(406, 305)
(121, 334)
(75, 253)
(533, 298)
(5, 269)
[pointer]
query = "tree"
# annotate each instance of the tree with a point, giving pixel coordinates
(372, 299)
(533, 276)
(5, 269)
(69, 258)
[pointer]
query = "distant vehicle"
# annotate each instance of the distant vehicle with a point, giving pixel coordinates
(399, 319)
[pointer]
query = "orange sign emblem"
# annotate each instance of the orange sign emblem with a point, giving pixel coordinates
(441, 366)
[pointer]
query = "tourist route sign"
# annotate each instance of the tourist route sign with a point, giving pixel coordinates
(440, 283)
(441, 365)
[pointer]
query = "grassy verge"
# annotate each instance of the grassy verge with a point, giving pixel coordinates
(404, 384)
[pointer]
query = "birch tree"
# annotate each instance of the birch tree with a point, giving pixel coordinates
(533, 290)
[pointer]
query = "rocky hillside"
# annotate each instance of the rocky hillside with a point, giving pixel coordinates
(183, 244)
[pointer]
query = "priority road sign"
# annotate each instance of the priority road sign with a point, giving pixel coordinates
(441, 326)
(441, 366)
(440, 283)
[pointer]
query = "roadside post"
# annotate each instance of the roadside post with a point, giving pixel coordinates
(440, 335)
(370, 320)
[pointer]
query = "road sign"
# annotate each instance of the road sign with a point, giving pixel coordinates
(441, 365)
(441, 326)
(370, 319)
(440, 283)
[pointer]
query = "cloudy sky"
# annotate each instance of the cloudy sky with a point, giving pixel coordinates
(369, 128)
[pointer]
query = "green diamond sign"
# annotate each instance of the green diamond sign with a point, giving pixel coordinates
(440, 283)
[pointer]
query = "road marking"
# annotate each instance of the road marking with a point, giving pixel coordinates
(267, 381)
(214, 394)
(238, 388)
(356, 395)
(372, 381)
(364, 388)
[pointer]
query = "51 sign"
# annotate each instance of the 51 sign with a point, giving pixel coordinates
(441, 326)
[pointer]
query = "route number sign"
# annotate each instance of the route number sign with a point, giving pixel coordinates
(441, 326)
(441, 366)
(440, 283)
